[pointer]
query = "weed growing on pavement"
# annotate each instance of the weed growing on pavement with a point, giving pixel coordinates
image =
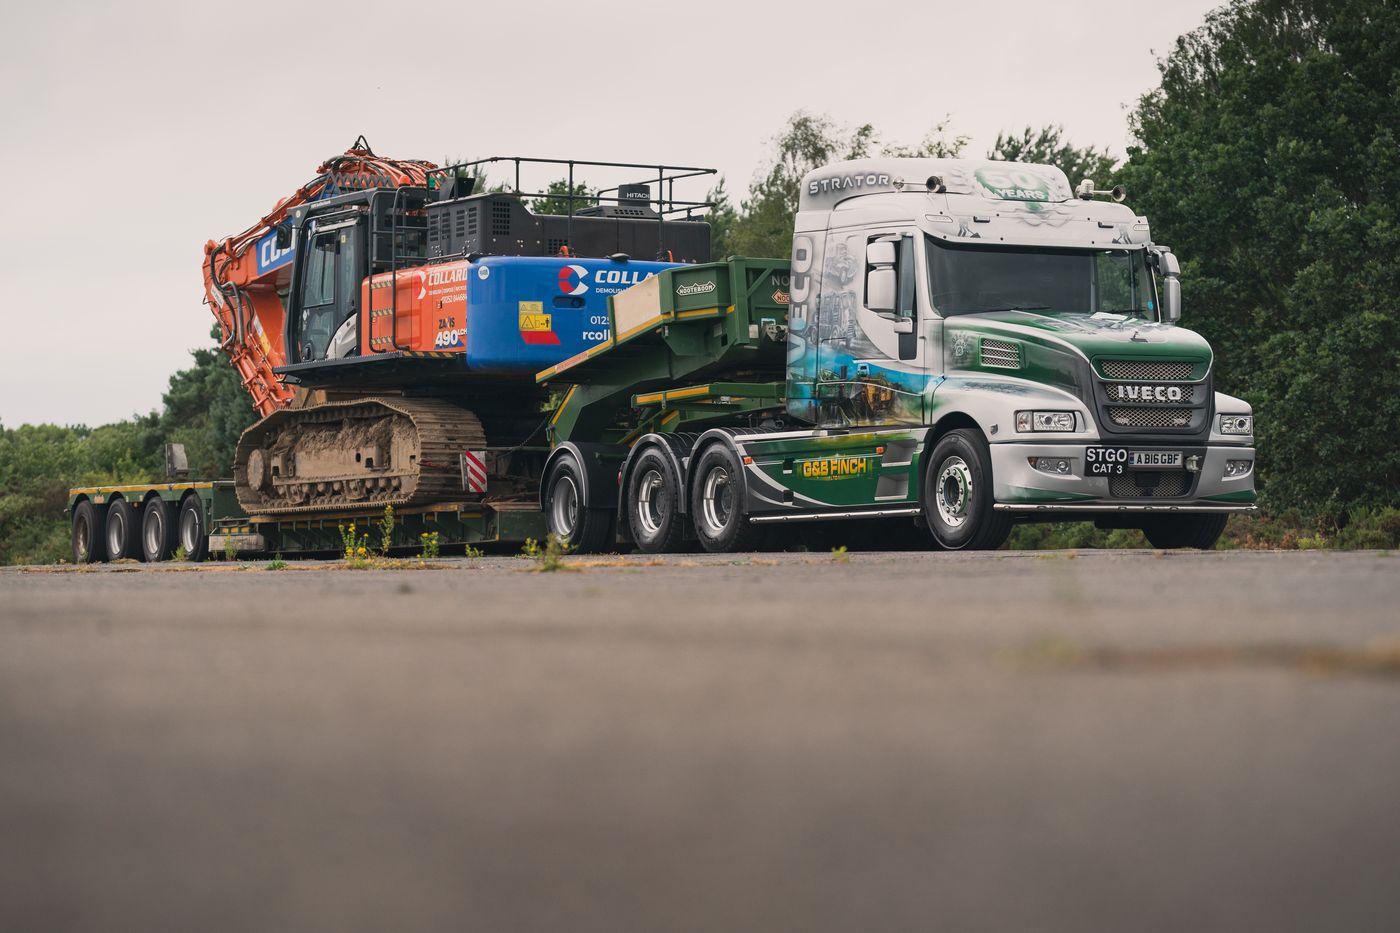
(386, 531)
(180, 554)
(277, 563)
(230, 552)
(429, 542)
(839, 555)
(548, 558)
(355, 545)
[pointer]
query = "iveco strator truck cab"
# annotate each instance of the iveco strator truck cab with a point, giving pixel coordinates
(968, 344)
(1027, 331)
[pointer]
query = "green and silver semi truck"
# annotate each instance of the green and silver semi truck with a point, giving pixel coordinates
(954, 346)
(965, 345)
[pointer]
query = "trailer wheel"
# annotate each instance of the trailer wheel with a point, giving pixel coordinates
(123, 535)
(568, 517)
(157, 531)
(89, 534)
(958, 494)
(190, 530)
(653, 504)
(1174, 531)
(716, 502)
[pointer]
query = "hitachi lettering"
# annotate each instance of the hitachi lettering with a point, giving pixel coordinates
(848, 182)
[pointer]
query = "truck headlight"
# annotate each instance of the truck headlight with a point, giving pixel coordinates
(1236, 424)
(1044, 421)
(1237, 468)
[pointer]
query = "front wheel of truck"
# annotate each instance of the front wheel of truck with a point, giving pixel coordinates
(1177, 531)
(958, 503)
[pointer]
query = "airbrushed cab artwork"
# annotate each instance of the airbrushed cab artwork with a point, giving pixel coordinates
(968, 344)
(1038, 322)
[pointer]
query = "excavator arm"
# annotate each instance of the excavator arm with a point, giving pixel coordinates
(246, 275)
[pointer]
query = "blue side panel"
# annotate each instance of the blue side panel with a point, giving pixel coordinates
(269, 256)
(525, 313)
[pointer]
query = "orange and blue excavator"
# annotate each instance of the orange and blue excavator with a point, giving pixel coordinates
(388, 316)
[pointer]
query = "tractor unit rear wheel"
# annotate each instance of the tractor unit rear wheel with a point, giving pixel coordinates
(190, 532)
(89, 533)
(157, 531)
(958, 494)
(653, 504)
(567, 515)
(1176, 531)
(717, 503)
(123, 531)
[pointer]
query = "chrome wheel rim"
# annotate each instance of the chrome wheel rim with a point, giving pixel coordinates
(563, 507)
(154, 533)
(717, 494)
(116, 533)
(84, 539)
(953, 492)
(650, 495)
(189, 530)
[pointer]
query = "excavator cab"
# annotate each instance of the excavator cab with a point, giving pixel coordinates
(327, 290)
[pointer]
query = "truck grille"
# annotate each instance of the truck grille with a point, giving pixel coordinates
(1155, 370)
(1000, 353)
(1149, 484)
(1119, 392)
(1150, 417)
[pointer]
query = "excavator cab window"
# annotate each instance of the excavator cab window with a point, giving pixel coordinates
(329, 293)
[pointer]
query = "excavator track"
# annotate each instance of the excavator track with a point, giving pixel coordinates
(369, 452)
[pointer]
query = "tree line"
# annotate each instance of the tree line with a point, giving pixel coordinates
(1268, 157)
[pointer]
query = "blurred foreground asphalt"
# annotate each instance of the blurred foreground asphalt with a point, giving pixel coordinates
(1093, 741)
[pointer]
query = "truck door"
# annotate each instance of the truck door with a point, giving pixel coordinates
(871, 368)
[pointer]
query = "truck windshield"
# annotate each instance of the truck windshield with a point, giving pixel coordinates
(968, 279)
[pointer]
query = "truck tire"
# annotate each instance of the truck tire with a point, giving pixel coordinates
(566, 515)
(89, 533)
(653, 504)
(1175, 531)
(190, 532)
(157, 531)
(958, 494)
(717, 503)
(123, 533)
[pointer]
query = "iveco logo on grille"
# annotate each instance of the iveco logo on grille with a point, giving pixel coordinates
(1149, 393)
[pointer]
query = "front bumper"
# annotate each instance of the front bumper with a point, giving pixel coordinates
(1020, 487)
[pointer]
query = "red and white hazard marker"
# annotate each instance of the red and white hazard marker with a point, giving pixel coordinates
(474, 470)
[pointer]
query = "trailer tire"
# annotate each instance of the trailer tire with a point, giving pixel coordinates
(89, 533)
(958, 502)
(123, 531)
(157, 531)
(1177, 531)
(653, 504)
(190, 532)
(566, 513)
(717, 503)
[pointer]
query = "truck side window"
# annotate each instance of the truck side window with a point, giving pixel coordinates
(904, 269)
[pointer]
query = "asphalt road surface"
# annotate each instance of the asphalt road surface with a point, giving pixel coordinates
(1101, 741)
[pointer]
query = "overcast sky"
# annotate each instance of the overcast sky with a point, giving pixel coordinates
(134, 131)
